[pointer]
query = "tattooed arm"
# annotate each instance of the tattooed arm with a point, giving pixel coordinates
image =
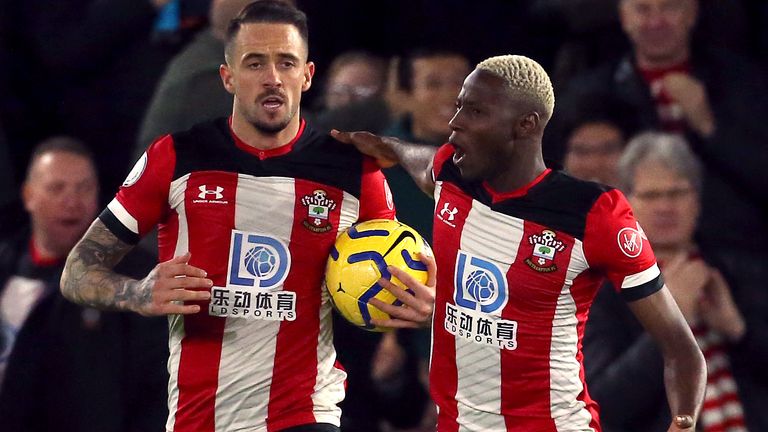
(89, 279)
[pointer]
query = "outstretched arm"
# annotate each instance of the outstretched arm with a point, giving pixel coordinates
(88, 278)
(684, 367)
(416, 159)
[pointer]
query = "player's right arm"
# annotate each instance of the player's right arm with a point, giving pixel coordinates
(416, 159)
(142, 202)
(88, 278)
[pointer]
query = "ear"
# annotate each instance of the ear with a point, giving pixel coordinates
(623, 19)
(527, 124)
(27, 197)
(693, 16)
(309, 72)
(226, 78)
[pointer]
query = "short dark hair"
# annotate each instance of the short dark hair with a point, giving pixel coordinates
(405, 64)
(268, 11)
(60, 144)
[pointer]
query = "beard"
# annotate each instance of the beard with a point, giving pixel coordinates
(273, 127)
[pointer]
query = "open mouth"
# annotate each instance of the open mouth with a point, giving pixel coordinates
(272, 103)
(458, 152)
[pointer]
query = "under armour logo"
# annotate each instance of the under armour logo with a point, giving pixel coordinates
(204, 192)
(449, 214)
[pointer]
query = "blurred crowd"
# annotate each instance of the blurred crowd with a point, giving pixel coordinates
(666, 100)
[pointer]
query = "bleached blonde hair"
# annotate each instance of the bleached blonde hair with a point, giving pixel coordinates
(525, 77)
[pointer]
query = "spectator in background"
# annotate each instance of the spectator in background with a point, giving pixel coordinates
(717, 100)
(593, 150)
(354, 76)
(190, 90)
(663, 179)
(355, 93)
(590, 32)
(430, 81)
(594, 141)
(55, 356)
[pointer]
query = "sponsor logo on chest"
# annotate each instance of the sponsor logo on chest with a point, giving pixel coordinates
(258, 266)
(480, 294)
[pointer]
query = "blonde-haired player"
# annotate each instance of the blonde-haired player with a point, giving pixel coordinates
(521, 250)
(524, 77)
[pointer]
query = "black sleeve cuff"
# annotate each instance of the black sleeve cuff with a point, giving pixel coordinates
(117, 227)
(642, 291)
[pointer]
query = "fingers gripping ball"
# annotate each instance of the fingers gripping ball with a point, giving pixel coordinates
(360, 258)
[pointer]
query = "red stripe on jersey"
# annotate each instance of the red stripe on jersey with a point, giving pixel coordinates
(146, 199)
(444, 153)
(375, 197)
(613, 242)
(167, 237)
(295, 369)
(210, 226)
(533, 294)
(443, 375)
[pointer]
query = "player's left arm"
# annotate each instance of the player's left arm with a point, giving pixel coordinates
(684, 367)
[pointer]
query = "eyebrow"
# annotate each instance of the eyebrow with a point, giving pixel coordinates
(259, 56)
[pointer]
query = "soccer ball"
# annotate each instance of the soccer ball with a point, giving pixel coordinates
(360, 258)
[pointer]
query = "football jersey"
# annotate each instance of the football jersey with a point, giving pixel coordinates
(259, 355)
(517, 273)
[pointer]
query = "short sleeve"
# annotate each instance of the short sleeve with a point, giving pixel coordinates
(615, 244)
(375, 196)
(142, 200)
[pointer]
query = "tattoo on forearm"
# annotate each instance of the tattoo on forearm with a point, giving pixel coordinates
(88, 276)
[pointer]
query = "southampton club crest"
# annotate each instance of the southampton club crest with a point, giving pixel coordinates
(545, 246)
(319, 207)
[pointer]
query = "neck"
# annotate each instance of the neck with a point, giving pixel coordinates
(45, 250)
(526, 163)
(256, 138)
(649, 63)
(667, 252)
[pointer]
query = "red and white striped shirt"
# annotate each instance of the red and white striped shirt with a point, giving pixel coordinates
(259, 357)
(517, 273)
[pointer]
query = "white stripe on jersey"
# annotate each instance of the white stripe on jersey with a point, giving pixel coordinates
(638, 279)
(246, 341)
(331, 384)
(176, 322)
(123, 216)
(329, 388)
(479, 366)
(568, 413)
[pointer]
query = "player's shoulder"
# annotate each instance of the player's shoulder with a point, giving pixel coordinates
(203, 133)
(319, 146)
(563, 190)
